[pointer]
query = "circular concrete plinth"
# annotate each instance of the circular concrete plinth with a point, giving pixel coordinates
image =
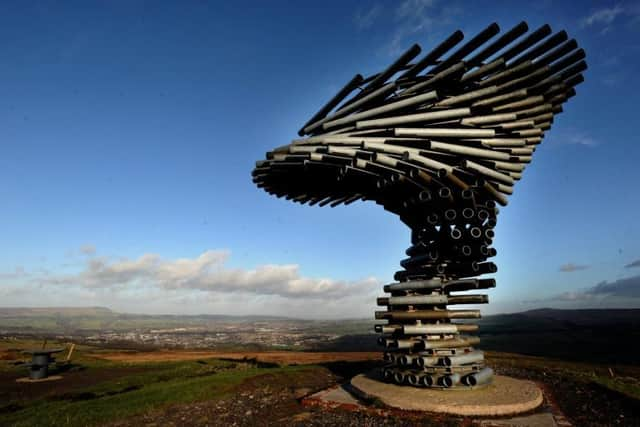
(504, 396)
(29, 380)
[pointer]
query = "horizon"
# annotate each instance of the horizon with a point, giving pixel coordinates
(131, 131)
(319, 319)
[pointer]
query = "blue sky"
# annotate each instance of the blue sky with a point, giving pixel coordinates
(128, 131)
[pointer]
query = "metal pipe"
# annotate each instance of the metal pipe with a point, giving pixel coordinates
(488, 172)
(491, 118)
(387, 374)
(483, 71)
(533, 100)
(414, 300)
(452, 148)
(574, 80)
(418, 99)
(423, 361)
(342, 93)
(387, 329)
(468, 299)
(473, 95)
(527, 42)
(403, 60)
(557, 53)
(450, 380)
(482, 377)
(450, 343)
(520, 124)
(406, 360)
(509, 166)
(504, 142)
(530, 132)
(482, 37)
(504, 40)
(509, 73)
(414, 118)
(497, 196)
(433, 283)
(378, 93)
(440, 328)
(431, 164)
(446, 73)
(541, 48)
(353, 106)
(568, 60)
(444, 132)
(526, 80)
(428, 314)
(434, 55)
(426, 380)
(464, 359)
(413, 380)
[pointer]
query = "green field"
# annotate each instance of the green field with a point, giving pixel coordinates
(120, 390)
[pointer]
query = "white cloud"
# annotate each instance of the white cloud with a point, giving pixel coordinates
(574, 136)
(208, 272)
(622, 293)
(88, 249)
(365, 19)
(582, 139)
(604, 16)
(417, 17)
(411, 8)
(633, 264)
(18, 273)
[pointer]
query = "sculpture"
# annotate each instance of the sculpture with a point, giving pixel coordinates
(439, 142)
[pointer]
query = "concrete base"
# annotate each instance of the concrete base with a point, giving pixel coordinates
(504, 396)
(43, 380)
(335, 397)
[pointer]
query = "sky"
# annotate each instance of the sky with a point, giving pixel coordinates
(129, 129)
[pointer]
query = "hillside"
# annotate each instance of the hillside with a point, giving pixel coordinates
(581, 335)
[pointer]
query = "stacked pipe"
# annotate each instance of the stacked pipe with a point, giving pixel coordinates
(40, 361)
(440, 140)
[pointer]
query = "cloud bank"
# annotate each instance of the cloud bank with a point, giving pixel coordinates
(209, 272)
(364, 19)
(625, 291)
(633, 264)
(604, 16)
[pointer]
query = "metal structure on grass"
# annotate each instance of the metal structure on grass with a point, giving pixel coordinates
(40, 361)
(440, 140)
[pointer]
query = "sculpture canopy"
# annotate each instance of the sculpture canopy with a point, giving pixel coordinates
(464, 116)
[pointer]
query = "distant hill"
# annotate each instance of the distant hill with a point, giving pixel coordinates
(104, 311)
(577, 317)
(604, 335)
(600, 335)
(54, 311)
(79, 319)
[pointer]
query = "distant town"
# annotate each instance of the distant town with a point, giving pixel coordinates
(102, 327)
(260, 334)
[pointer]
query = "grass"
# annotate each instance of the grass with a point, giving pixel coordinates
(159, 385)
(121, 390)
(624, 379)
(628, 386)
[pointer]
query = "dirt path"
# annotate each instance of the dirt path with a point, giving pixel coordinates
(279, 357)
(275, 400)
